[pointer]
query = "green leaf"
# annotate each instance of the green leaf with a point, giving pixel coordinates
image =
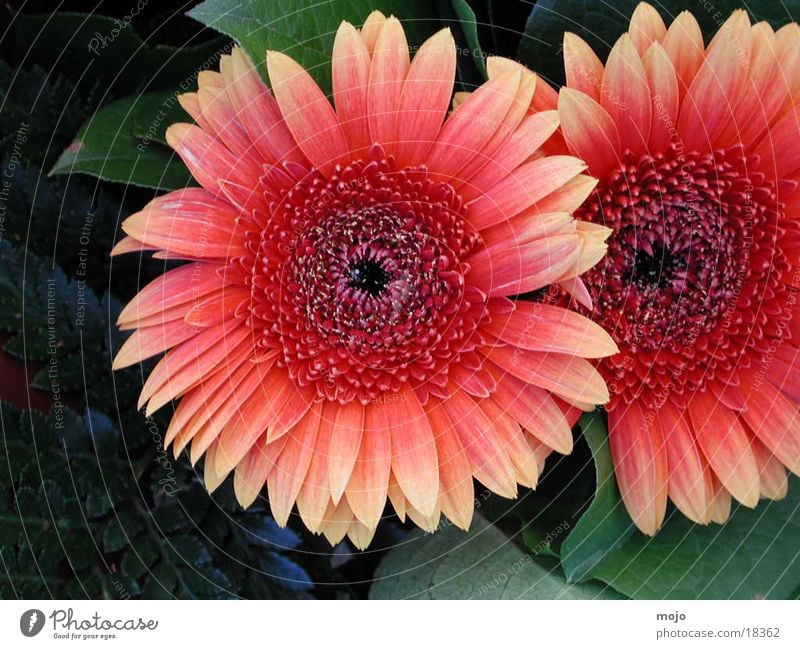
(605, 524)
(471, 64)
(97, 504)
(120, 531)
(305, 29)
(755, 554)
(480, 564)
(122, 143)
(600, 23)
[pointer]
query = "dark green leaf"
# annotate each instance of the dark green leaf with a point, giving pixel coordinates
(605, 524)
(755, 554)
(471, 59)
(480, 564)
(121, 143)
(97, 504)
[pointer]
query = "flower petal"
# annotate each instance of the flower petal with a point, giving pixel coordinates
(640, 463)
(350, 76)
(724, 444)
(571, 378)
(627, 96)
(425, 98)
(387, 74)
(307, 112)
(589, 130)
(547, 328)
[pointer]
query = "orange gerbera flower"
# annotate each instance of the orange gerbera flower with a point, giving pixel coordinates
(343, 331)
(696, 149)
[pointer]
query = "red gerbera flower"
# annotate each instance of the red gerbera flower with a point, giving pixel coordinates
(343, 331)
(696, 149)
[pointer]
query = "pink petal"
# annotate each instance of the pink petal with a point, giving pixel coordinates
(640, 462)
(350, 68)
(425, 98)
(387, 73)
(307, 112)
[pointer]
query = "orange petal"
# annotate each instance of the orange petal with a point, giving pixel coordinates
(522, 188)
(504, 130)
(307, 112)
(254, 417)
(425, 98)
(455, 474)
(532, 133)
(571, 378)
(626, 95)
(663, 83)
(177, 287)
(684, 45)
(350, 76)
(690, 485)
(290, 471)
(387, 74)
(467, 131)
(589, 130)
(314, 496)
(414, 461)
(535, 411)
(640, 461)
(725, 445)
(774, 420)
(346, 434)
(254, 470)
(646, 27)
(209, 160)
(259, 111)
(490, 463)
(215, 397)
(711, 99)
(367, 489)
(583, 69)
(187, 364)
(567, 198)
(513, 442)
(773, 481)
(543, 327)
(372, 28)
(150, 341)
(519, 269)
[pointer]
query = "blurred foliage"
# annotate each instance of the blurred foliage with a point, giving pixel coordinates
(94, 514)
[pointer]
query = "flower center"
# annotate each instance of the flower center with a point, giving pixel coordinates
(369, 276)
(694, 254)
(657, 269)
(360, 280)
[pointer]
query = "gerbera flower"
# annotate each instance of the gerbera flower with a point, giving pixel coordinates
(343, 332)
(696, 149)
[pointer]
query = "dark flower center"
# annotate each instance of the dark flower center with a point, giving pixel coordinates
(693, 266)
(359, 280)
(369, 276)
(657, 268)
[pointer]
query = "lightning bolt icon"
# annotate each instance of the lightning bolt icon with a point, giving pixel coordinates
(32, 620)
